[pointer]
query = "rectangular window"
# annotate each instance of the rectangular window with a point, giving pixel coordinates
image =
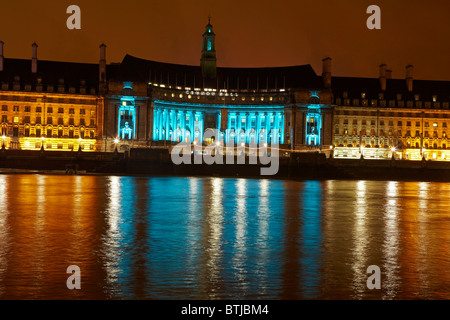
(417, 123)
(49, 133)
(92, 122)
(27, 132)
(71, 121)
(38, 109)
(27, 109)
(82, 111)
(408, 123)
(399, 123)
(49, 120)
(4, 118)
(71, 111)
(82, 122)
(4, 108)
(16, 108)
(60, 110)
(16, 119)
(49, 110)
(38, 120)
(26, 119)
(61, 121)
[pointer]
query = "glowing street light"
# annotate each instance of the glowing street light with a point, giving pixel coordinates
(393, 149)
(116, 141)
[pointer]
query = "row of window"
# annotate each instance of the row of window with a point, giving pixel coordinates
(47, 99)
(391, 123)
(391, 114)
(60, 121)
(27, 132)
(381, 96)
(382, 133)
(49, 109)
(38, 145)
(392, 103)
(190, 96)
(372, 144)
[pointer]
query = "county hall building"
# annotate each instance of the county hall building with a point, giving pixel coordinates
(140, 103)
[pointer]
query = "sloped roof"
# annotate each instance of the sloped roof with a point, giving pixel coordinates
(141, 70)
(50, 72)
(354, 86)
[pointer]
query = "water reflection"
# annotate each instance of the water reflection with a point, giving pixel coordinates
(360, 240)
(214, 238)
(391, 242)
(4, 231)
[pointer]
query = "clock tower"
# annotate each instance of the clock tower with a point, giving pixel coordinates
(208, 60)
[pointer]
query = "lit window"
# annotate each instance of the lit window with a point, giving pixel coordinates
(16, 119)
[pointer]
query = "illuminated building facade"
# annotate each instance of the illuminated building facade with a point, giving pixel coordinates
(381, 117)
(49, 105)
(162, 103)
(143, 103)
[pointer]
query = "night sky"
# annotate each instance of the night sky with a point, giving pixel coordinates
(249, 33)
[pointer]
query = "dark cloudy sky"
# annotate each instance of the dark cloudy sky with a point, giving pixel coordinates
(249, 33)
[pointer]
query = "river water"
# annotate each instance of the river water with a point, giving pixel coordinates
(219, 238)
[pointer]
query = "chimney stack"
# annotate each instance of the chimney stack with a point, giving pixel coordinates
(102, 63)
(1, 55)
(383, 77)
(326, 72)
(388, 74)
(34, 58)
(409, 77)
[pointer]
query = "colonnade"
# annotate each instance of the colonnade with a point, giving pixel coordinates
(179, 125)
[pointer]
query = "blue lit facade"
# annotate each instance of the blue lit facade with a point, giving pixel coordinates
(187, 122)
(127, 119)
(161, 104)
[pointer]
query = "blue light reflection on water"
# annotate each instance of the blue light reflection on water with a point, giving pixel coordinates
(219, 238)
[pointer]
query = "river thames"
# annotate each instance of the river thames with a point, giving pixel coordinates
(222, 238)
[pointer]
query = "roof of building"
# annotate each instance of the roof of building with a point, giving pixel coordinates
(426, 89)
(50, 73)
(141, 70)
